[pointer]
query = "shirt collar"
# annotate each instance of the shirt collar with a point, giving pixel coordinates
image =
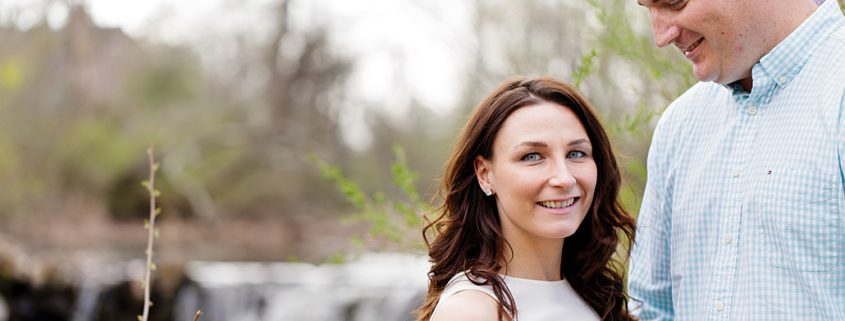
(785, 61)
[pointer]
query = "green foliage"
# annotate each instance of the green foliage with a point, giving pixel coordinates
(164, 83)
(405, 178)
(11, 73)
(584, 69)
(619, 39)
(337, 258)
(630, 194)
(636, 122)
(350, 190)
(398, 222)
(103, 138)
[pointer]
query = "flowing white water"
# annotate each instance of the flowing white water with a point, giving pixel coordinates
(377, 286)
(4, 310)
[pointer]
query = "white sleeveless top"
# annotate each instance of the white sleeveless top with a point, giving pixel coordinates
(535, 300)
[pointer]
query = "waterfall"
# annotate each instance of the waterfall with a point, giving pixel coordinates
(375, 286)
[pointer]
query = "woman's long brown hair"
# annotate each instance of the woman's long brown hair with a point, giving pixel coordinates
(467, 232)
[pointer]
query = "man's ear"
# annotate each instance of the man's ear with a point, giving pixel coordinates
(484, 174)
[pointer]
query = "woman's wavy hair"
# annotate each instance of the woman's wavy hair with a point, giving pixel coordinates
(467, 233)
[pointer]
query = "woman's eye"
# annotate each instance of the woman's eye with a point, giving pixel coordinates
(532, 157)
(576, 154)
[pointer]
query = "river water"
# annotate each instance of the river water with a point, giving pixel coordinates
(375, 286)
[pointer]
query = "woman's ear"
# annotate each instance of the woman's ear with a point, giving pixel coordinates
(484, 175)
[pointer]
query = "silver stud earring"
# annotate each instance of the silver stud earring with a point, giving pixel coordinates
(488, 191)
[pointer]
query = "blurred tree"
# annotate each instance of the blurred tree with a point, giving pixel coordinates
(602, 45)
(253, 164)
(81, 102)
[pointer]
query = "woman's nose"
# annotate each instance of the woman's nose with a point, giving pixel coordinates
(562, 177)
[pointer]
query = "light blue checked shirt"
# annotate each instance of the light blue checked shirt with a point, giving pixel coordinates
(743, 216)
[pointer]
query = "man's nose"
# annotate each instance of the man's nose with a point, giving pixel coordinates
(665, 29)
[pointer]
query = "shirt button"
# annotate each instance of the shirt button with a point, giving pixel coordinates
(719, 306)
(728, 239)
(782, 79)
(735, 172)
(752, 110)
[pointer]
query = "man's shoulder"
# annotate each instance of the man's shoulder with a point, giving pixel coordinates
(828, 56)
(826, 70)
(838, 36)
(698, 98)
(703, 92)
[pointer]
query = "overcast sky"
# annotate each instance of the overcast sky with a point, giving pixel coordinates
(413, 44)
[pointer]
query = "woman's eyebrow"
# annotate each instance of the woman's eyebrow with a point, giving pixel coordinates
(531, 144)
(579, 141)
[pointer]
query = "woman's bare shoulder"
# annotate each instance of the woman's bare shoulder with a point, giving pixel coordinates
(470, 305)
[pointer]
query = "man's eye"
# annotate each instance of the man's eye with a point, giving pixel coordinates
(532, 157)
(676, 4)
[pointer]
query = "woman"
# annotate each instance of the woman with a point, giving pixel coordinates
(530, 221)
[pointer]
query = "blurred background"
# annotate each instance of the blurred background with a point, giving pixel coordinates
(300, 141)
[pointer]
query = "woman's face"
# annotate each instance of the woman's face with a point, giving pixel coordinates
(542, 172)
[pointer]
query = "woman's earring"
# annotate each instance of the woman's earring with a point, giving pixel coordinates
(488, 191)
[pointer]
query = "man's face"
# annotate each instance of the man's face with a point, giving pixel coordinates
(720, 37)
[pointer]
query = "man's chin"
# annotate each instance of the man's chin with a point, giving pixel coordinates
(702, 74)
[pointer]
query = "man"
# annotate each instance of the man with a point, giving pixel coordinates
(743, 216)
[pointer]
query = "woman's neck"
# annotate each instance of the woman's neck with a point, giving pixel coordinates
(534, 259)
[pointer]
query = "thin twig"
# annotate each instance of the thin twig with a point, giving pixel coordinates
(197, 316)
(150, 226)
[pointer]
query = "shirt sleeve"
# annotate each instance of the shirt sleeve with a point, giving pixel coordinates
(650, 283)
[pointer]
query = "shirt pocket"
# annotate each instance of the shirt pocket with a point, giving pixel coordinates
(800, 219)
